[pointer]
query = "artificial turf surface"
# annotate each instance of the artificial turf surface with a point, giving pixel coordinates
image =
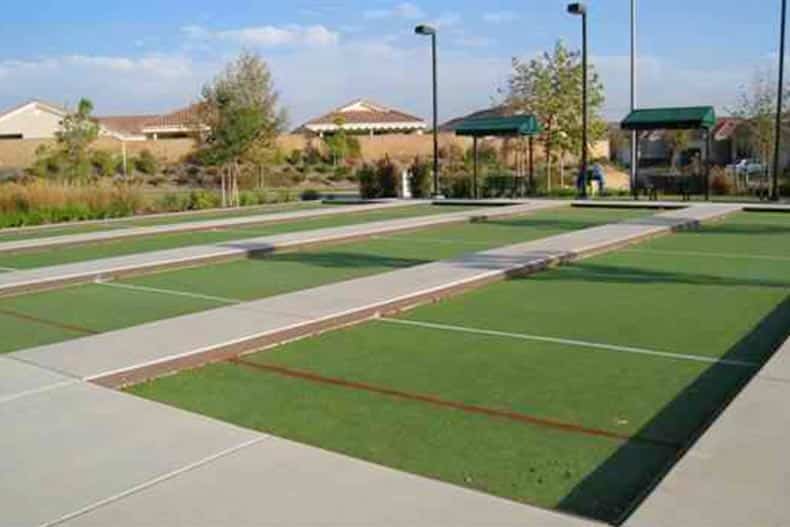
(45, 257)
(54, 316)
(7, 235)
(701, 305)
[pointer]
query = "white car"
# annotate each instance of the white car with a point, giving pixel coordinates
(747, 167)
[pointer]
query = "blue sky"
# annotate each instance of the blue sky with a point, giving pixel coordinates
(151, 56)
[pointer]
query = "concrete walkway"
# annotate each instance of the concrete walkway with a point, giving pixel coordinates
(84, 455)
(738, 473)
(117, 358)
(197, 225)
(47, 277)
(80, 454)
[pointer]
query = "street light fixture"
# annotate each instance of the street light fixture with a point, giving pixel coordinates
(579, 8)
(429, 31)
(779, 109)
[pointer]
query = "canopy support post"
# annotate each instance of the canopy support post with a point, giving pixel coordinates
(474, 173)
(707, 165)
(531, 165)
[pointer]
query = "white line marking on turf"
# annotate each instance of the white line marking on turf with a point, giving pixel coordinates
(8, 269)
(712, 255)
(571, 342)
(430, 240)
(155, 481)
(168, 292)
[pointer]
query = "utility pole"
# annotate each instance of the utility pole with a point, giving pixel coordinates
(634, 136)
(779, 97)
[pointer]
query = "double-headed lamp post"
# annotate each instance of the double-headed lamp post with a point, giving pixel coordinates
(578, 8)
(430, 31)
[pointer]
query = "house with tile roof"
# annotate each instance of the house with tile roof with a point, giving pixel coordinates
(37, 119)
(363, 117)
(174, 125)
(31, 120)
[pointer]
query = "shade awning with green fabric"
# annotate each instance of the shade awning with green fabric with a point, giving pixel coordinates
(671, 118)
(518, 125)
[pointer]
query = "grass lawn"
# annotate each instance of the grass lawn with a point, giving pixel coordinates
(570, 425)
(7, 235)
(53, 316)
(61, 255)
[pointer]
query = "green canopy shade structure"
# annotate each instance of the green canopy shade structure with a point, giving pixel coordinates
(515, 126)
(679, 118)
(701, 117)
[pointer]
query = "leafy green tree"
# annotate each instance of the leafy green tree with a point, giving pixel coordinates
(550, 87)
(340, 144)
(240, 108)
(78, 131)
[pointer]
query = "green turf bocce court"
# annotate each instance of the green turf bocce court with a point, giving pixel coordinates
(36, 319)
(572, 389)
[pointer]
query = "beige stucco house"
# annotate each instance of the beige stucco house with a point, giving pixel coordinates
(364, 118)
(40, 120)
(31, 120)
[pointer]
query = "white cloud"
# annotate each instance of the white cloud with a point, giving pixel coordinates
(500, 17)
(661, 82)
(269, 36)
(406, 10)
(115, 84)
(446, 20)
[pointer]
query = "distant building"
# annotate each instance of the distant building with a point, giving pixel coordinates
(178, 124)
(31, 120)
(364, 118)
(41, 120)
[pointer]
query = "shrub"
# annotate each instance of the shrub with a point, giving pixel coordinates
(202, 199)
(104, 163)
(146, 163)
(420, 180)
(458, 186)
(368, 182)
(310, 195)
(720, 182)
(48, 202)
(379, 180)
(340, 173)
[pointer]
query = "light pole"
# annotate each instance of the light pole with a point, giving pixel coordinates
(579, 8)
(634, 143)
(779, 95)
(430, 31)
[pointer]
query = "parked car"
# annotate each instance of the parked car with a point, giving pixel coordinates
(747, 167)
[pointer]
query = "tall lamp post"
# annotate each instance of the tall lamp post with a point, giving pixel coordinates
(634, 142)
(578, 8)
(778, 132)
(430, 31)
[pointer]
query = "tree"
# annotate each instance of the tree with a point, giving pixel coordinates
(678, 142)
(550, 87)
(78, 131)
(240, 109)
(756, 107)
(340, 144)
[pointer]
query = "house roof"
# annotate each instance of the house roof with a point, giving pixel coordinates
(671, 118)
(516, 125)
(360, 113)
(141, 124)
(125, 124)
(184, 117)
(53, 108)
